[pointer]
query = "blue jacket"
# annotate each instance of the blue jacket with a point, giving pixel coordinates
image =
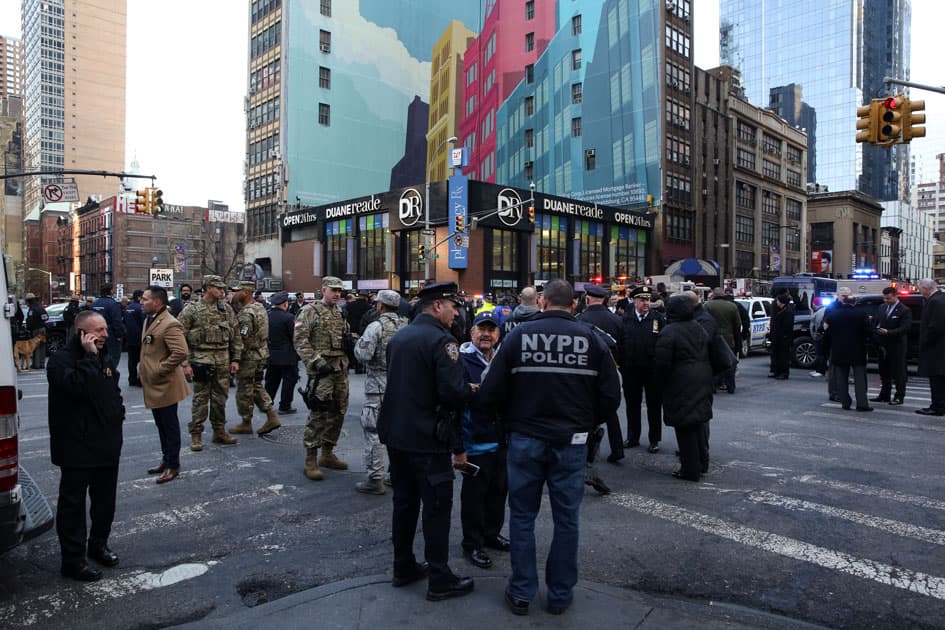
(134, 322)
(108, 308)
(552, 377)
(480, 431)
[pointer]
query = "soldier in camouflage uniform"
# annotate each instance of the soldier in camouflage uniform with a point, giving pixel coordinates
(371, 350)
(319, 338)
(253, 325)
(215, 352)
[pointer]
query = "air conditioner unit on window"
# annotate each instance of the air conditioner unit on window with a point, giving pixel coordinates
(326, 48)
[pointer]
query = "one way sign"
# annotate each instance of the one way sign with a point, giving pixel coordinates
(161, 278)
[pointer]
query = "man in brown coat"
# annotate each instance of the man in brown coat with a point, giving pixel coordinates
(163, 349)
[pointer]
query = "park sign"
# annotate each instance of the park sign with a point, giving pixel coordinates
(161, 278)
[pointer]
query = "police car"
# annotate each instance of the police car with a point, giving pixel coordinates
(759, 312)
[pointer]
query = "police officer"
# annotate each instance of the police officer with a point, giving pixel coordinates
(554, 378)
(320, 331)
(893, 321)
(419, 424)
(215, 351)
(253, 325)
(641, 326)
(371, 350)
(598, 315)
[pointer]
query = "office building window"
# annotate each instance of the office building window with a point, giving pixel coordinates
(746, 133)
(530, 10)
(471, 74)
(771, 144)
(770, 234)
(793, 209)
(530, 73)
(744, 229)
(590, 159)
(529, 105)
(373, 238)
(576, 25)
(551, 233)
(529, 42)
(677, 41)
(577, 92)
(324, 41)
(529, 171)
(326, 8)
(324, 77)
(324, 114)
(678, 224)
(771, 169)
(793, 154)
(576, 59)
(793, 178)
(744, 263)
(529, 138)
(575, 127)
(745, 159)
(744, 196)
(771, 203)
(792, 239)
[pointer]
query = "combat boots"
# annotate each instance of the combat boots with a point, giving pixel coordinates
(311, 465)
(371, 486)
(196, 442)
(272, 422)
(328, 460)
(220, 436)
(245, 427)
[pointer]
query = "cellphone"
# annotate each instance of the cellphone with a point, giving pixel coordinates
(469, 469)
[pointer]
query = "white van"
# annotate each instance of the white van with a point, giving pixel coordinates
(24, 511)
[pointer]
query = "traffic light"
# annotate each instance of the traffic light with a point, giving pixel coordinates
(890, 127)
(531, 214)
(143, 201)
(910, 119)
(460, 223)
(157, 200)
(422, 251)
(868, 121)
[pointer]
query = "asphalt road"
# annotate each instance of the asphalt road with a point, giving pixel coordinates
(809, 512)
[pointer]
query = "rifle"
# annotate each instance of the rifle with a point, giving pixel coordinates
(308, 394)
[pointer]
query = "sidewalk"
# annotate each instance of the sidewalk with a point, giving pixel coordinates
(371, 602)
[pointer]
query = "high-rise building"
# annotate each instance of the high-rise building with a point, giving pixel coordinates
(787, 101)
(11, 67)
(74, 72)
(930, 198)
(839, 52)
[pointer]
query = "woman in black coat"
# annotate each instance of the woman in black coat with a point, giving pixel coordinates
(682, 362)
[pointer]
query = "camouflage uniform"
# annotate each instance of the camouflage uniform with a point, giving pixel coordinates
(215, 342)
(253, 326)
(371, 350)
(318, 338)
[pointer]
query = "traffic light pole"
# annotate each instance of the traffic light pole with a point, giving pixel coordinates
(76, 172)
(920, 86)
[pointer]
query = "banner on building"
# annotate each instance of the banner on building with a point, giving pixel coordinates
(180, 259)
(821, 261)
(225, 216)
(459, 222)
(775, 258)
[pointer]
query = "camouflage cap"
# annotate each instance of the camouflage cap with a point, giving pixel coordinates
(245, 286)
(331, 282)
(213, 281)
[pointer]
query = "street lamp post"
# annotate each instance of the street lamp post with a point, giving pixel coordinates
(426, 207)
(724, 247)
(49, 274)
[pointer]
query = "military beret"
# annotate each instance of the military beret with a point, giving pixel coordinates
(644, 293)
(331, 282)
(279, 298)
(388, 297)
(211, 280)
(595, 290)
(440, 291)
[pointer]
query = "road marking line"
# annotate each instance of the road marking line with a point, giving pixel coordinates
(870, 491)
(884, 423)
(913, 581)
(38, 609)
(898, 528)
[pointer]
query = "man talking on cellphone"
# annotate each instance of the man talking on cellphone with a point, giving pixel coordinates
(553, 377)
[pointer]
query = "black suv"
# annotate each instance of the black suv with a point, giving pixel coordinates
(55, 327)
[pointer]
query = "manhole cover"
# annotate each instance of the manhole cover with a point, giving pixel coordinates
(802, 441)
(292, 435)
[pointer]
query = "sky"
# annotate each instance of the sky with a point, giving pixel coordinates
(186, 85)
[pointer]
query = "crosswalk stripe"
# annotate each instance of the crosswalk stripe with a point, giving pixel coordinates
(870, 491)
(898, 528)
(899, 577)
(849, 415)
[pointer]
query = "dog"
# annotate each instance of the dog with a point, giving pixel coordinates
(23, 351)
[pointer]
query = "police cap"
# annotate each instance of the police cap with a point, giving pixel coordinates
(644, 293)
(441, 291)
(595, 290)
(279, 298)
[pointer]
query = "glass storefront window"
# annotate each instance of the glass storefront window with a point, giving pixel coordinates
(337, 234)
(551, 233)
(504, 250)
(373, 239)
(590, 235)
(629, 253)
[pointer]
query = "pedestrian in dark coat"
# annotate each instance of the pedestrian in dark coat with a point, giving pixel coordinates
(932, 346)
(891, 326)
(846, 331)
(107, 307)
(85, 438)
(134, 322)
(283, 365)
(781, 337)
(729, 320)
(683, 365)
(641, 326)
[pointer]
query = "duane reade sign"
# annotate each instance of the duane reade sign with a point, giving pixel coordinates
(161, 278)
